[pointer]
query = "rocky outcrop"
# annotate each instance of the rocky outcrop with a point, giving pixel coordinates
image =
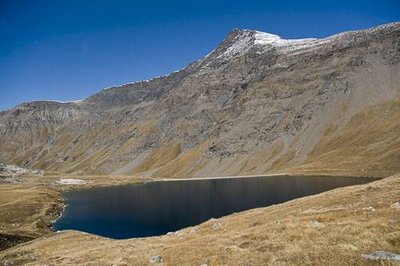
(7, 241)
(256, 104)
(10, 173)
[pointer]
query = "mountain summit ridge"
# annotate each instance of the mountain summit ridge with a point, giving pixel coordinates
(238, 33)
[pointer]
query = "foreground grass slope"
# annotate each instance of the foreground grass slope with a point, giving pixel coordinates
(26, 212)
(337, 227)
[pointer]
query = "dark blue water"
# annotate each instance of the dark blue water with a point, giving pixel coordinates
(157, 208)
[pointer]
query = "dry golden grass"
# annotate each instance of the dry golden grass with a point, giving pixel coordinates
(51, 180)
(27, 210)
(333, 228)
(159, 158)
(185, 164)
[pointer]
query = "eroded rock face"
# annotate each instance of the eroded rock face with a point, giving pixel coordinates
(256, 104)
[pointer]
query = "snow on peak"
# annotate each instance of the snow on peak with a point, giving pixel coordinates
(262, 38)
(57, 101)
(242, 41)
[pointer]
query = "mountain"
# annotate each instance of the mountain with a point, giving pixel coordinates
(256, 104)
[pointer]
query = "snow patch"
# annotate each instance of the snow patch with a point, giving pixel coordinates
(56, 101)
(139, 81)
(71, 181)
(263, 38)
(266, 39)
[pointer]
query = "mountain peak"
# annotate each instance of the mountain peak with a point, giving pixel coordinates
(255, 34)
(239, 41)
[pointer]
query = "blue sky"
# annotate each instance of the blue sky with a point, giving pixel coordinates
(68, 50)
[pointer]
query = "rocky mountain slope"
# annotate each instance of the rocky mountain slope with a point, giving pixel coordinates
(256, 104)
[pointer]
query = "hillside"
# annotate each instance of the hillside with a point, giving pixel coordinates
(256, 104)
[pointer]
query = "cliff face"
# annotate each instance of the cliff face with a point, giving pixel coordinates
(256, 104)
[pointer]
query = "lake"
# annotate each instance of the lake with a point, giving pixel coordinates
(156, 208)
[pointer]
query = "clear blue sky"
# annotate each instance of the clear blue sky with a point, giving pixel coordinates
(67, 50)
